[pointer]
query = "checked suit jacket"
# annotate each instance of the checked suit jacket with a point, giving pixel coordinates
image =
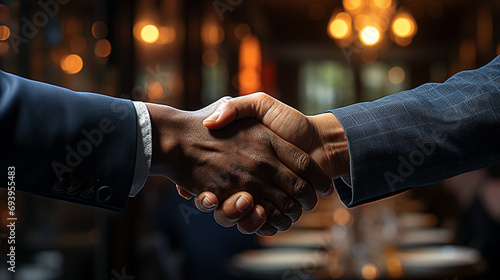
(421, 136)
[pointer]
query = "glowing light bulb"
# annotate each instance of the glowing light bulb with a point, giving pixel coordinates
(370, 35)
(150, 33)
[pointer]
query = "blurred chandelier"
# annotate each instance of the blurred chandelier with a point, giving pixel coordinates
(368, 22)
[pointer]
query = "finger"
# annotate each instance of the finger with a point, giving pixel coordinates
(299, 193)
(206, 202)
(183, 192)
(233, 209)
(253, 105)
(274, 216)
(253, 221)
(267, 230)
(305, 167)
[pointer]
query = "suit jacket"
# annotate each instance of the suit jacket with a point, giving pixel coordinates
(78, 147)
(421, 136)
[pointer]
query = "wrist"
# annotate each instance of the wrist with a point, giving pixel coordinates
(332, 153)
(165, 124)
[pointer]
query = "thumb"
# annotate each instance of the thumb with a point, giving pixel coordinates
(254, 105)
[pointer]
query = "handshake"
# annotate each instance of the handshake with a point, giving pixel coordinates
(253, 160)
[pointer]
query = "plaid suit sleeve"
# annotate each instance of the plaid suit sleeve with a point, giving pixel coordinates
(421, 136)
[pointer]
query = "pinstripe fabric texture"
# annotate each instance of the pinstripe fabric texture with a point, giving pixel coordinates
(422, 136)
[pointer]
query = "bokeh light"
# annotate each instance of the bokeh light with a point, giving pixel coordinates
(4, 13)
(382, 4)
(352, 4)
(396, 75)
(241, 31)
(167, 35)
(99, 30)
(341, 216)
(212, 34)
(72, 64)
(210, 58)
(369, 272)
(369, 35)
(340, 27)
(402, 27)
(102, 48)
(4, 32)
(154, 89)
(150, 33)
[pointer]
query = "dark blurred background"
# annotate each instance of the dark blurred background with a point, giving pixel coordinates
(313, 55)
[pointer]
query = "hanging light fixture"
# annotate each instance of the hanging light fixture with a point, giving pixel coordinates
(368, 22)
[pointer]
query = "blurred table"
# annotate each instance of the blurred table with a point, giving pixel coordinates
(377, 241)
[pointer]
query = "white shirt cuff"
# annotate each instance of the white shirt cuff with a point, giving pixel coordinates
(144, 148)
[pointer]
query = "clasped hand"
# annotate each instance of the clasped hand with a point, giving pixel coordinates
(245, 159)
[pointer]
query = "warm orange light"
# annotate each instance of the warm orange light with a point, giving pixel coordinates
(99, 29)
(341, 216)
(241, 31)
(72, 64)
(249, 80)
(212, 34)
(402, 27)
(102, 48)
(150, 33)
(383, 4)
(4, 33)
(369, 271)
(250, 76)
(250, 53)
(154, 89)
(352, 4)
(369, 35)
(340, 26)
(167, 35)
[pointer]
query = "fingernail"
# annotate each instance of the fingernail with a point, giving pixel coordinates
(207, 203)
(264, 232)
(256, 216)
(213, 117)
(242, 204)
(330, 190)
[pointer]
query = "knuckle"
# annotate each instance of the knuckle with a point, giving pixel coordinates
(274, 215)
(225, 98)
(293, 207)
(293, 210)
(301, 188)
(304, 163)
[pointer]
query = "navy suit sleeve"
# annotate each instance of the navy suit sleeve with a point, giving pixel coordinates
(422, 136)
(77, 147)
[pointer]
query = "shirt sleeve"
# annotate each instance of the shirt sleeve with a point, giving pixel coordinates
(144, 148)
